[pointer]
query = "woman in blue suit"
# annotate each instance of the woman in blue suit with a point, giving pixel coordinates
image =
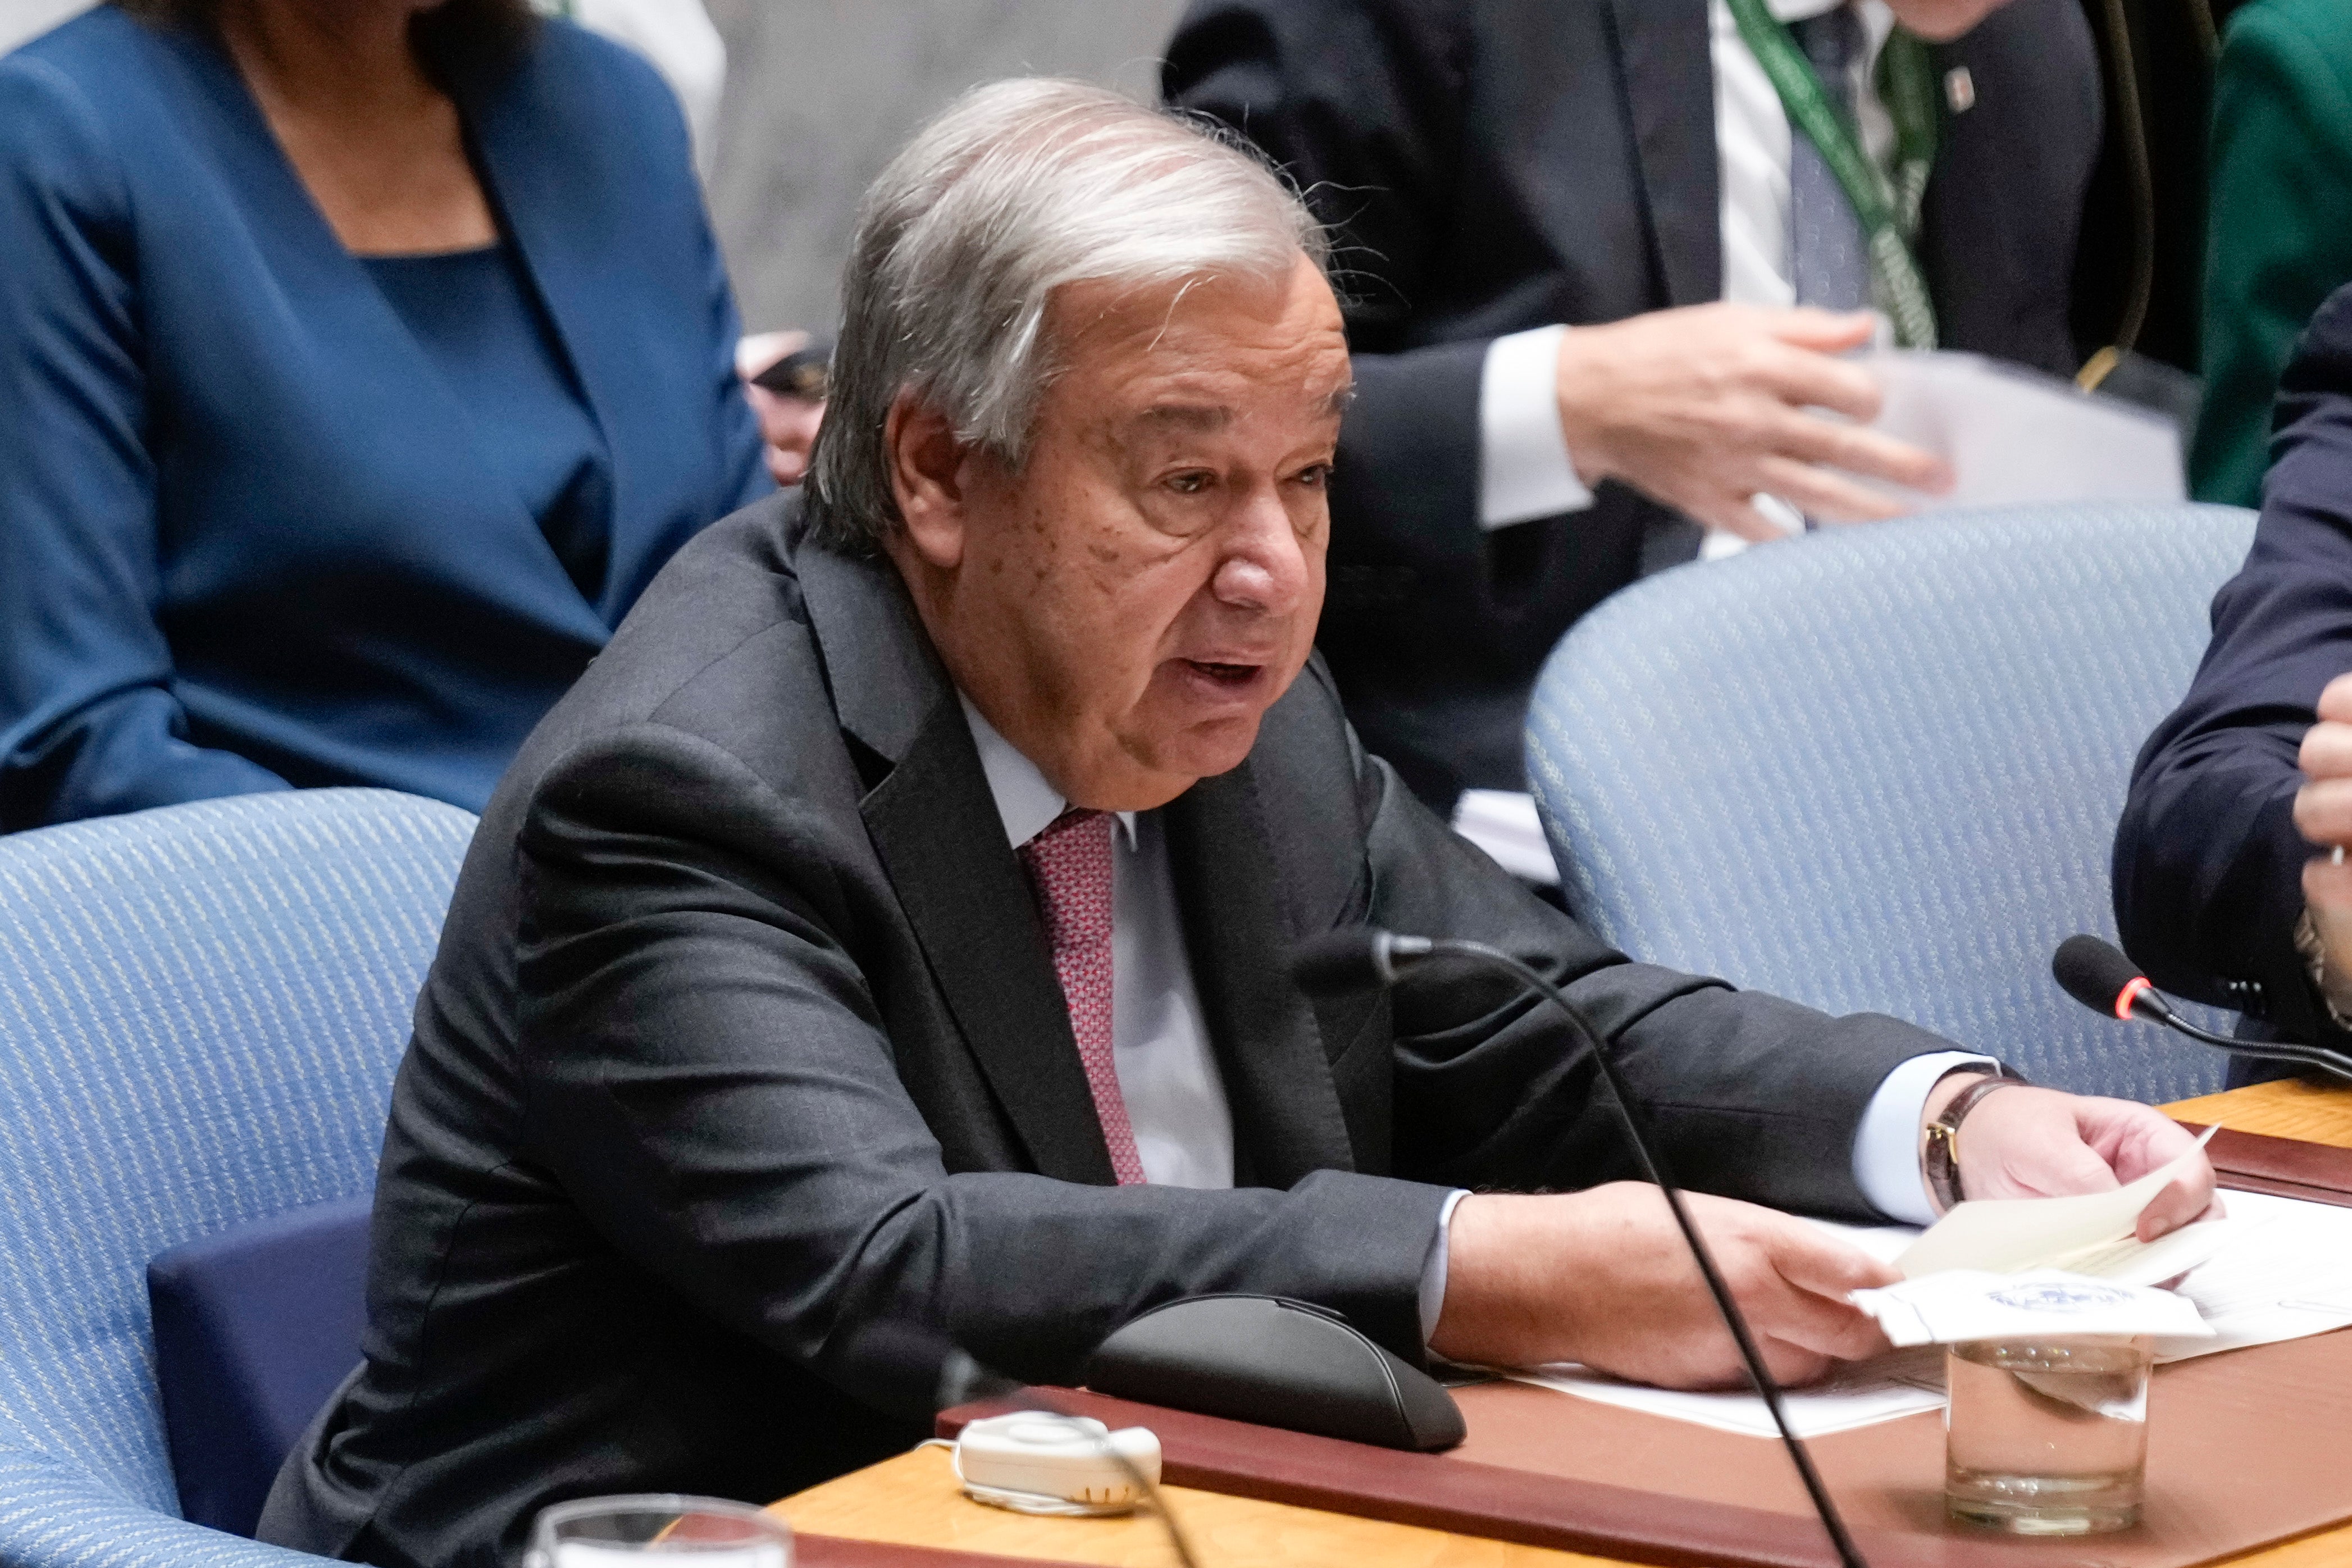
(360, 362)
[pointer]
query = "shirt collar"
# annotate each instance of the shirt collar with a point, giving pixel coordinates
(1025, 802)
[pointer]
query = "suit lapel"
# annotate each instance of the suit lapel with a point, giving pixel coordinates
(1664, 52)
(1285, 1107)
(936, 827)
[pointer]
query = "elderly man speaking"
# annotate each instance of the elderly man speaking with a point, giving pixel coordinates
(889, 931)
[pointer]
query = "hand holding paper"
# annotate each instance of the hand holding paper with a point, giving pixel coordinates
(2093, 1233)
(2040, 1144)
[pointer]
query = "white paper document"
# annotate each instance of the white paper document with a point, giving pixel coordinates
(1953, 1306)
(1861, 1394)
(2014, 436)
(1504, 823)
(2284, 1270)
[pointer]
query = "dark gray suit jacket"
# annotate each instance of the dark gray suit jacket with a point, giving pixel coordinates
(1492, 165)
(743, 1037)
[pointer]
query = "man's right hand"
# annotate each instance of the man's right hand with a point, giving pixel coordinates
(1706, 406)
(1603, 1278)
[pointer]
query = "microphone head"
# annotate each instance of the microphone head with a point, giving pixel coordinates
(2095, 973)
(1352, 958)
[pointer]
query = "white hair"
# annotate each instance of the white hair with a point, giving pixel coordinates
(1016, 189)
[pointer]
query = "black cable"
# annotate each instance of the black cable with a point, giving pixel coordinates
(1766, 1387)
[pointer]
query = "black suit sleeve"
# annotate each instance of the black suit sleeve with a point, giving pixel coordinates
(706, 1073)
(2207, 863)
(1362, 104)
(1748, 1095)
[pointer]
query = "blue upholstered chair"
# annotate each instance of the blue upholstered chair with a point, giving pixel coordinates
(201, 1009)
(1879, 768)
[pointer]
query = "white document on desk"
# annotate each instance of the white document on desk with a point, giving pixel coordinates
(2015, 437)
(2284, 1273)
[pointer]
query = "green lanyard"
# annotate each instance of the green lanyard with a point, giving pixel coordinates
(1888, 209)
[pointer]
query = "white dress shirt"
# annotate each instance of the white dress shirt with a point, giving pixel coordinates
(1525, 470)
(1168, 1073)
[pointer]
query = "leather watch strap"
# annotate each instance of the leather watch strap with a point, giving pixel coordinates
(1939, 1152)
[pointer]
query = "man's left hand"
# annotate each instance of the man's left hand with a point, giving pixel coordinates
(2028, 1143)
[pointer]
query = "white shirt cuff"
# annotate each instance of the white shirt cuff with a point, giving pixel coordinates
(1432, 1271)
(1886, 1145)
(1524, 469)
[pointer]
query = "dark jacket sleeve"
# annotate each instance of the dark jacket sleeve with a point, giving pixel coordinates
(89, 724)
(1747, 1095)
(1363, 105)
(707, 1072)
(2207, 863)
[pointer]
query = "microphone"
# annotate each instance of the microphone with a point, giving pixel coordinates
(2100, 977)
(1359, 958)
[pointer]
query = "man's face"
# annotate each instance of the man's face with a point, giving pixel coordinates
(1126, 607)
(1940, 21)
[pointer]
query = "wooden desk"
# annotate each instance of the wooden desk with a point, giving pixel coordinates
(912, 1500)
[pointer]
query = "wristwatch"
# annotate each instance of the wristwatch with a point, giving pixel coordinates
(2335, 994)
(1939, 1147)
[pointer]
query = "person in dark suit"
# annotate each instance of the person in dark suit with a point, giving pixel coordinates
(889, 932)
(360, 364)
(1499, 170)
(2219, 887)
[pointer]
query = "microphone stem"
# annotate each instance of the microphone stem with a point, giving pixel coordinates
(1766, 1387)
(2334, 1063)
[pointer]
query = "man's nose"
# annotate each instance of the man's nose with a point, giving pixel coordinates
(1265, 564)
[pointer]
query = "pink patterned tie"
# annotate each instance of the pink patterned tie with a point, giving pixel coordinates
(1069, 862)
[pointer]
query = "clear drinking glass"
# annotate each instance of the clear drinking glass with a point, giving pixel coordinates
(2047, 1436)
(658, 1529)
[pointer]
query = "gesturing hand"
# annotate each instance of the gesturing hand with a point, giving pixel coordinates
(1704, 407)
(1602, 1278)
(2039, 1143)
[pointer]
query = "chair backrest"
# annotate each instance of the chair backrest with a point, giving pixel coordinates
(200, 1010)
(1879, 769)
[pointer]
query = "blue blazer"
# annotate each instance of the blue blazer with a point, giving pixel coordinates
(2207, 863)
(248, 538)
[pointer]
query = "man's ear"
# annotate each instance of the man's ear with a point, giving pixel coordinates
(927, 479)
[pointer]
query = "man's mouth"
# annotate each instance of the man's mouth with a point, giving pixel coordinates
(1233, 675)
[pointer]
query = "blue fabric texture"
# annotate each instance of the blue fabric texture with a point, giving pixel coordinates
(472, 312)
(251, 534)
(1878, 769)
(200, 1010)
(254, 1328)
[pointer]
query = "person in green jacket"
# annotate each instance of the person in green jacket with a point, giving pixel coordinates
(2279, 224)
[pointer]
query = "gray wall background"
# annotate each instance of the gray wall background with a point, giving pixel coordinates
(820, 93)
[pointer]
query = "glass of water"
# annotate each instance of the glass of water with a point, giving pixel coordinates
(2047, 1436)
(658, 1529)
